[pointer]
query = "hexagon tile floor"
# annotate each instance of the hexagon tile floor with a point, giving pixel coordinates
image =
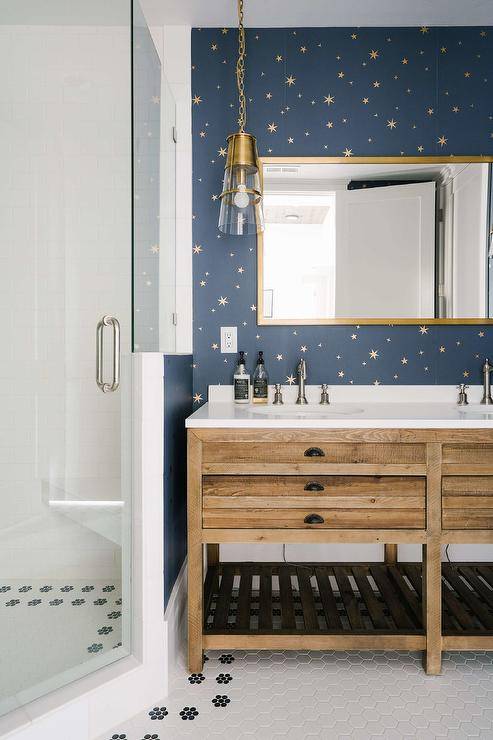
(266, 695)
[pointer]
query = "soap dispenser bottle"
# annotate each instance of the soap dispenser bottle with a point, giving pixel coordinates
(241, 381)
(260, 381)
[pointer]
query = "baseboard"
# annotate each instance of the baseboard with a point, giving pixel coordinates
(175, 622)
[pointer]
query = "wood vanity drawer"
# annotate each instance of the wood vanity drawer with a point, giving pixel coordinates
(387, 502)
(467, 458)
(467, 502)
(309, 453)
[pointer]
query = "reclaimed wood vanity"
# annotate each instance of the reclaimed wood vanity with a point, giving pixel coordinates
(389, 485)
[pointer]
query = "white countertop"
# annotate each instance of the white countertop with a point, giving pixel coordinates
(425, 407)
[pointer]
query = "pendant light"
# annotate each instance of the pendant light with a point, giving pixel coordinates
(241, 198)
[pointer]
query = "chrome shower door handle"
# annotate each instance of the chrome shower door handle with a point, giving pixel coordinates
(115, 382)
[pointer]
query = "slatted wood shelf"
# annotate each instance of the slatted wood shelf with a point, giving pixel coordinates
(343, 599)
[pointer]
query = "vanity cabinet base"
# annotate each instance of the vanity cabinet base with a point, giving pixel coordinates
(240, 491)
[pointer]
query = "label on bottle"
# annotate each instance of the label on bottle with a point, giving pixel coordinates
(260, 388)
(241, 389)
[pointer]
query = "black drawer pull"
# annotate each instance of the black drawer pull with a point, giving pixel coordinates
(314, 452)
(314, 486)
(314, 519)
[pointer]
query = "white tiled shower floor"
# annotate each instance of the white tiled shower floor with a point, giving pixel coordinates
(323, 695)
(47, 627)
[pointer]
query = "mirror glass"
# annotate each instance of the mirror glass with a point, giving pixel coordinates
(359, 243)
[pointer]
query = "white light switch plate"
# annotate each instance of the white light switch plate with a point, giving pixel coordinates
(229, 339)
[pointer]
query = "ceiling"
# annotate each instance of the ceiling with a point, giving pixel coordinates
(285, 13)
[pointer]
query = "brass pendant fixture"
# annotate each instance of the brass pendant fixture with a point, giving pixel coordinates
(241, 198)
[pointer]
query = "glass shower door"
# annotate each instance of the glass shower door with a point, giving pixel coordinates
(65, 327)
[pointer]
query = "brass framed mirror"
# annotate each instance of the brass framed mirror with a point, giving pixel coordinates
(376, 240)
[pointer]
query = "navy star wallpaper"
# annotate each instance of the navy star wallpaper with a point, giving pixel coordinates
(331, 92)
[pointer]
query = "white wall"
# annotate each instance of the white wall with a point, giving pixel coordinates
(173, 44)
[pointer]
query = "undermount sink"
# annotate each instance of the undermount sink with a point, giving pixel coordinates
(308, 411)
(476, 409)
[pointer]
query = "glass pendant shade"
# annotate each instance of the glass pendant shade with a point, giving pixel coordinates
(241, 198)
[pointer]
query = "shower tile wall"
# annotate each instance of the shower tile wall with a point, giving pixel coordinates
(146, 162)
(65, 149)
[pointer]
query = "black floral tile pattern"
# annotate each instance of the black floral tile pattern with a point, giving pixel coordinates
(105, 630)
(25, 589)
(66, 589)
(45, 589)
(224, 678)
(78, 602)
(226, 658)
(34, 602)
(86, 589)
(221, 700)
(4, 589)
(189, 713)
(100, 602)
(108, 589)
(56, 602)
(114, 615)
(95, 647)
(118, 737)
(158, 713)
(196, 678)
(13, 602)
(151, 737)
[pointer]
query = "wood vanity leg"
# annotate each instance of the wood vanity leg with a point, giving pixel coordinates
(212, 554)
(195, 555)
(432, 562)
(390, 554)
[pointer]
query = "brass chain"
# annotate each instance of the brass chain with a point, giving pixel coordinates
(240, 69)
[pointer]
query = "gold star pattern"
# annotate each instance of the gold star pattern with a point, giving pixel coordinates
(442, 141)
(278, 58)
(424, 29)
(373, 54)
(196, 100)
(365, 101)
(373, 354)
(290, 80)
(197, 398)
(376, 84)
(391, 124)
(222, 301)
(348, 152)
(329, 99)
(197, 248)
(290, 379)
(272, 127)
(405, 61)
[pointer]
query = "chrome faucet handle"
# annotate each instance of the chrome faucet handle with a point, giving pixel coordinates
(462, 400)
(277, 395)
(324, 398)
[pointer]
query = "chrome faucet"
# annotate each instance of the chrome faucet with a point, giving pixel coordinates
(487, 368)
(301, 373)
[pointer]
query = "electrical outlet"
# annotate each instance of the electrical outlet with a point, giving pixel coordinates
(229, 339)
